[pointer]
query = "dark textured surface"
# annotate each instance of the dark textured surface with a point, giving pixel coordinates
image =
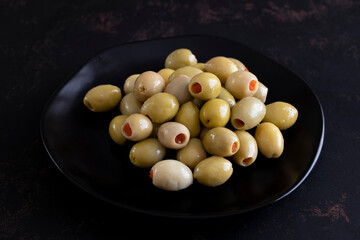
(43, 43)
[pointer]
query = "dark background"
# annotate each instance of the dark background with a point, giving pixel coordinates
(42, 43)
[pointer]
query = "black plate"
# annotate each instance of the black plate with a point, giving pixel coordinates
(77, 140)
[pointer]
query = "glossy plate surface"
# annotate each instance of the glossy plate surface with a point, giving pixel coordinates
(77, 140)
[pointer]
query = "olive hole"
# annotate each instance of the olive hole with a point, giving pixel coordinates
(247, 161)
(239, 122)
(180, 138)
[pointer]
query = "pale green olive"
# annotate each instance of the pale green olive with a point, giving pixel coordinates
(188, 115)
(262, 92)
(248, 151)
(226, 95)
(221, 66)
(187, 71)
(200, 66)
(160, 107)
(129, 104)
(215, 113)
(282, 114)
(247, 113)
(180, 58)
(173, 135)
(205, 86)
(136, 127)
(165, 74)
(192, 153)
(269, 139)
(102, 98)
(171, 175)
(221, 141)
(238, 64)
(148, 84)
(179, 88)
(147, 152)
(115, 129)
(129, 83)
(242, 84)
(213, 171)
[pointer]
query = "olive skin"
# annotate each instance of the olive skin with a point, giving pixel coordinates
(180, 58)
(160, 107)
(221, 141)
(179, 88)
(221, 66)
(148, 84)
(238, 64)
(248, 151)
(262, 92)
(136, 127)
(192, 153)
(171, 175)
(165, 74)
(247, 113)
(187, 71)
(129, 83)
(102, 98)
(146, 153)
(188, 115)
(282, 114)
(226, 95)
(129, 104)
(215, 113)
(200, 66)
(205, 86)
(242, 84)
(213, 171)
(115, 129)
(269, 139)
(173, 135)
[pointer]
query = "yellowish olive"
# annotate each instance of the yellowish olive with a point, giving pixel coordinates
(226, 95)
(247, 113)
(147, 152)
(205, 86)
(192, 153)
(102, 98)
(160, 107)
(129, 104)
(248, 151)
(136, 127)
(165, 73)
(188, 115)
(148, 84)
(221, 141)
(213, 171)
(200, 66)
(282, 114)
(173, 135)
(129, 83)
(189, 71)
(179, 88)
(242, 84)
(115, 129)
(238, 64)
(215, 113)
(180, 58)
(262, 92)
(269, 139)
(222, 67)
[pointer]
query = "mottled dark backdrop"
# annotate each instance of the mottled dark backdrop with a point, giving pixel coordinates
(43, 42)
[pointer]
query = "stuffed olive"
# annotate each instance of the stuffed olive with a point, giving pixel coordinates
(192, 153)
(179, 88)
(247, 113)
(180, 58)
(136, 127)
(248, 151)
(115, 129)
(242, 84)
(205, 86)
(173, 135)
(269, 140)
(148, 84)
(129, 104)
(282, 114)
(221, 141)
(215, 113)
(222, 67)
(146, 153)
(102, 98)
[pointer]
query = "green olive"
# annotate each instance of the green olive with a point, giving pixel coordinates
(213, 171)
(136, 127)
(261, 92)
(221, 141)
(147, 152)
(247, 113)
(187, 71)
(192, 153)
(129, 104)
(129, 83)
(165, 74)
(179, 88)
(269, 140)
(215, 113)
(173, 135)
(222, 67)
(282, 114)
(205, 86)
(242, 84)
(188, 115)
(160, 107)
(102, 98)
(115, 129)
(200, 66)
(180, 58)
(148, 84)
(238, 64)
(226, 95)
(248, 151)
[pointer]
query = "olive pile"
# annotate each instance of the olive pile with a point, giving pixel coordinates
(202, 110)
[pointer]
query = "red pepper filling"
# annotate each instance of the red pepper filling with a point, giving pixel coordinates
(180, 138)
(196, 88)
(127, 129)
